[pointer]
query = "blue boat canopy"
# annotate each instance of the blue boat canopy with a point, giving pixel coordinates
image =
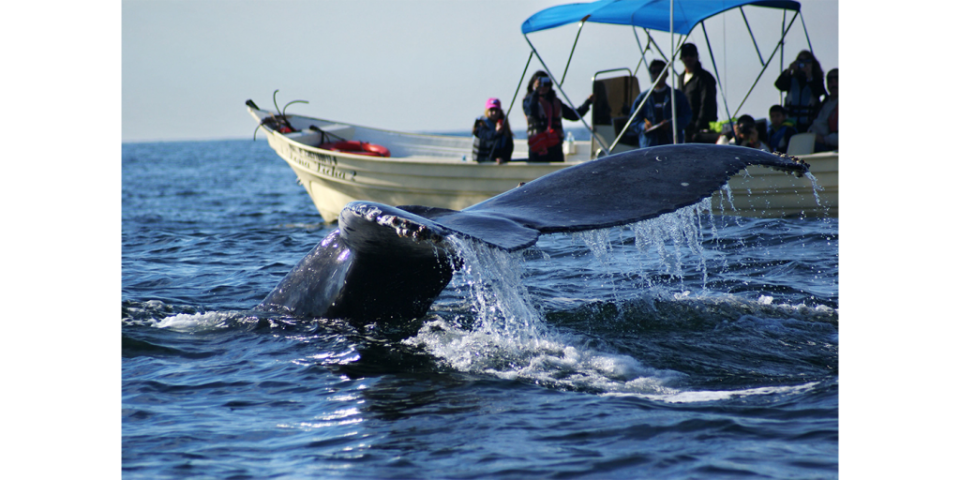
(651, 14)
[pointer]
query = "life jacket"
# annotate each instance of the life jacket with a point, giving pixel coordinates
(484, 149)
(780, 138)
(800, 103)
(547, 115)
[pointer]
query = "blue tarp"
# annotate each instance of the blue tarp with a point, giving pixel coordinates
(652, 14)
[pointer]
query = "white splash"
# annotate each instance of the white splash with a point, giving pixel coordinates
(508, 338)
(505, 334)
(196, 322)
(554, 359)
(717, 395)
(501, 301)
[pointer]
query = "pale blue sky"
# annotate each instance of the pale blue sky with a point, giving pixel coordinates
(188, 65)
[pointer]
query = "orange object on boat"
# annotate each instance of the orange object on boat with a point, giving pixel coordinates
(357, 148)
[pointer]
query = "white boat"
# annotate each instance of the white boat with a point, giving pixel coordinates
(763, 193)
(436, 170)
(430, 170)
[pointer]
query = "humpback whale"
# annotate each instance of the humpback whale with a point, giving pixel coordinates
(391, 262)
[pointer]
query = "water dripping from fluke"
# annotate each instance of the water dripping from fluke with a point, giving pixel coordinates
(502, 329)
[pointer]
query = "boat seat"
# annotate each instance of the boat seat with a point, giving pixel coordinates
(801, 144)
(613, 98)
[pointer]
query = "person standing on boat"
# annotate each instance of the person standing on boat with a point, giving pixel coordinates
(700, 88)
(826, 123)
(653, 124)
(803, 82)
(545, 113)
(493, 140)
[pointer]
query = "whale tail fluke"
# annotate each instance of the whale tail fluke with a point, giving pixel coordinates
(389, 262)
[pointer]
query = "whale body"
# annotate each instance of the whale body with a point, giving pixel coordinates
(391, 262)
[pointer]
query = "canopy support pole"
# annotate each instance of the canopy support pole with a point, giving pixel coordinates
(716, 72)
(750, 30)
(807, 34)
(779, 46)
(575, 40)
(522, 75)
(547, 69)
(637, 111)
(643, 51)
(673, 80)
(783, 26)
(664, 55)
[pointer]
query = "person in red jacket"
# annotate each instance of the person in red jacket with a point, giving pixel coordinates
(545, 113)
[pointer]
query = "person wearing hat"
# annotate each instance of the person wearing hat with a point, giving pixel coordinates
(700, 88)
(493, 140)
(545, 113)
(653, 125)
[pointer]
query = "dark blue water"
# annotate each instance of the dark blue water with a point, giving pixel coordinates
(695, 346)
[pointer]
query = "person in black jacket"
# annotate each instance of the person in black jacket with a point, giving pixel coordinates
(700, 88)
(493, 140)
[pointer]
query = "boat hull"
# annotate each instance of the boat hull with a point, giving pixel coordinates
(759, 192)
(335, 179)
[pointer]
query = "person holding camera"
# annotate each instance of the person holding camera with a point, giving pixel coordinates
(745, 134)
(803, 82)
(545, 112)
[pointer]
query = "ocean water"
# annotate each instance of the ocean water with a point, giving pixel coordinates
(690, 346)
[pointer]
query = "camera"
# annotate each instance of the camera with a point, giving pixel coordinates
(801, 65)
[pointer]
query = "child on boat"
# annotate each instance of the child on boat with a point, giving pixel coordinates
(780, 130)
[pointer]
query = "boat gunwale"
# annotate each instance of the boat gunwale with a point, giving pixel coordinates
(418, 159)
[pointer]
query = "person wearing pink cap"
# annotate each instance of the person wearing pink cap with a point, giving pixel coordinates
(493, 140)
